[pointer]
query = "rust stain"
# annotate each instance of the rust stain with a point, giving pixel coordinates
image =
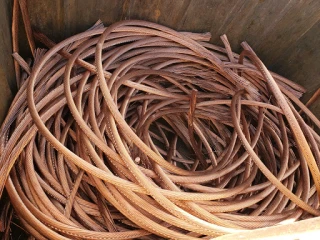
(157, 14)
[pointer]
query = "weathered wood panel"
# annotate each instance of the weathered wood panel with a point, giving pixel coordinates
(6, 64)
(285, 34)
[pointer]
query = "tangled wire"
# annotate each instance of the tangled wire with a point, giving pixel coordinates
(139, 131)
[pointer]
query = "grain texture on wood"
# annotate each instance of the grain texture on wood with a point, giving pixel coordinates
(307, 229)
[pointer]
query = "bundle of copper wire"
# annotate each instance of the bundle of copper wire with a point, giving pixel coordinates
(140, 131)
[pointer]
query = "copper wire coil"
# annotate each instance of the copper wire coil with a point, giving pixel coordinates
(139, 131)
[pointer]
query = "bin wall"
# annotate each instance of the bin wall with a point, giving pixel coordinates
(285, 34)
